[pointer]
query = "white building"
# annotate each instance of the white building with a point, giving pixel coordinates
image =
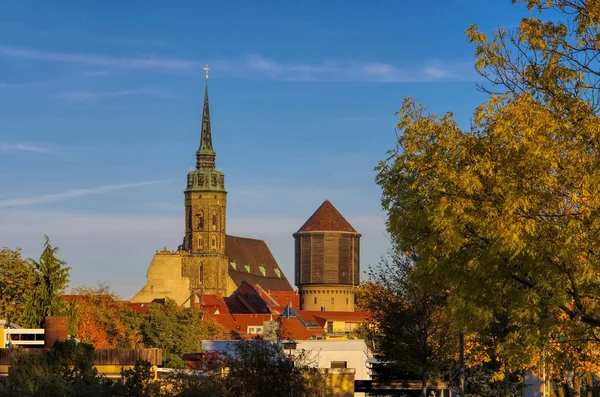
(13, 336)
(349, 354)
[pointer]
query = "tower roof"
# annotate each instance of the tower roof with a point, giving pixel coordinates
(327, 219)
(205, 156)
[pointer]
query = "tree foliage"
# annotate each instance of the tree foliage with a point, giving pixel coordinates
(65, 370)
(177, 330)
(262, 368)
(103, 320)
(16, 278)
(409, 324)
(44, 298)
(512, 203)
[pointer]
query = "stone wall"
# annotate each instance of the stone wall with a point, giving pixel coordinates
(164, 279)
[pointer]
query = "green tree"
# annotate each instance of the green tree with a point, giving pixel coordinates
(409, 324)
(262, 368)
(65, 370)
(137, 382)
(44, 298)
(177, 330)
(16, 278)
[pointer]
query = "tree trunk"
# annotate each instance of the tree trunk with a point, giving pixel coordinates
(506, 381)
(588, 383)
(560, 388)
(423, 384)
(577, 385)
(461, 349)
(551, 388)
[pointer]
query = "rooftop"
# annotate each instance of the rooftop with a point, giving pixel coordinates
(327, 219)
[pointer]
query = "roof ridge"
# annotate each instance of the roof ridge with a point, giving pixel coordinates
(245, 238)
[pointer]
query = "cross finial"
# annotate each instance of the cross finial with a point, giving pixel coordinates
(206, 69)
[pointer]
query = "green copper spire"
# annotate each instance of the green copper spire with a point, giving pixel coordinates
(205, 177)
(205, 156)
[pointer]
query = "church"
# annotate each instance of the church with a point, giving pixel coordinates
(209, 261)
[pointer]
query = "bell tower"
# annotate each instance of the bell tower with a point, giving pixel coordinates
(205, 215)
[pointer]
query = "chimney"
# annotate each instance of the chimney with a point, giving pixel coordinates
(56, 330)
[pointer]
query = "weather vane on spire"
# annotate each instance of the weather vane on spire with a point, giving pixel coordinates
(206, 69)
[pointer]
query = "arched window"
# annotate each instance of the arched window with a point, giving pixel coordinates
(201, 221)
(214, 242)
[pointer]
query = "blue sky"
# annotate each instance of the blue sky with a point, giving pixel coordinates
(100, 110)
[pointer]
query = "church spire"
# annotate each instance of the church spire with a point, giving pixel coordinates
(205, 156)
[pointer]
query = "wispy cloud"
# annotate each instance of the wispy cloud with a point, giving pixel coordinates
(259, 66)
(72, 193)
(256, 66)
(153, 62)
(26, 147)
(79, 96)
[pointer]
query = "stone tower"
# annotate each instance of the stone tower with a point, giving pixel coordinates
(327, 261)
(205, 218)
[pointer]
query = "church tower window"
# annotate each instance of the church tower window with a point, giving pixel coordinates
(201, 221)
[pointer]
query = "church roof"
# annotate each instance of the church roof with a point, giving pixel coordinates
(251, 260)
(327, 219)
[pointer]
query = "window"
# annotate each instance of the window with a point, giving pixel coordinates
(315, 300)
(201, 275)
(214, 220)
(347, 301)
(201, 220)
(255, 330)
(329, 327)
(262, 270)
(332, 300)
(339, 364)
(350, 327)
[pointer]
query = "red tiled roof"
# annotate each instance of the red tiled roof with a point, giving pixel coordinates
(279, 299)
(327, 219)
(335, 316)
(238, 324)
(293, 329)
(290, 328)
(140, 307)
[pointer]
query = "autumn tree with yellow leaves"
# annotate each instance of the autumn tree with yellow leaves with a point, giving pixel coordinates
(512, 203)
